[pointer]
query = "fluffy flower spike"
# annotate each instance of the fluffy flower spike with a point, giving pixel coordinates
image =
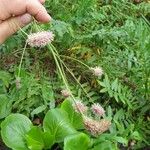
(18, 83)
(40, 39)
(79, 107)
(65, 93)
(97, 109)
(96, 127)
(97, 71)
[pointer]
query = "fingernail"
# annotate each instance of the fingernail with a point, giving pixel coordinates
(48, 17)
(26, 18)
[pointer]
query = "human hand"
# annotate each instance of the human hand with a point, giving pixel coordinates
(18, 13)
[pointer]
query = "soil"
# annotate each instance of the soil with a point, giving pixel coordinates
(3, 147)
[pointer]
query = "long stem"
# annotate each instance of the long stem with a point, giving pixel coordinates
(75, 60)
(21, 59)
(75, 79)
(59, 68)
(50, 47)
(71, 73)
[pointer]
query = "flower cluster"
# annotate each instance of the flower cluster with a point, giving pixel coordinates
(96, 127)
(65, 93)
(40, 39)
(97, 109)
(79, 107)
(18, 83)
(97, 71)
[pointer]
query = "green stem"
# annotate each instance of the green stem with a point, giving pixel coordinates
(52, 48)
(59, 68)
(75, 60)
(74, 77)
(21, 59)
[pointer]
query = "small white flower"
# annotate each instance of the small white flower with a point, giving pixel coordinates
(97, 71)
(79, 107)
(98, 109)
(65, 93)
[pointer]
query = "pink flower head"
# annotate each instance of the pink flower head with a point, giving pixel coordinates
(65, 93)
(18, 82)
(98, 109)
(40, 39)
(79, 107)
(97, 71)
(96, 127)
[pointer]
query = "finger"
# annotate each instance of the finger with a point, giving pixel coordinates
(38, 11)
(10, 26)
(19, 7)
(42, 1)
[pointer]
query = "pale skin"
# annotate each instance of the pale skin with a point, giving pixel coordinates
(15, 14)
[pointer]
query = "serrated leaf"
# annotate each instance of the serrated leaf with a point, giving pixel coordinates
(104, 90)
(38, 110)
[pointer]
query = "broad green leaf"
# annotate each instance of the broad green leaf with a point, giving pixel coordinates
(48, 139)
(34, 139)
(13, 131)
(56, 122)
(5, 106)
(77, 141)
(107, 145)
(74, 117)
(38, 140)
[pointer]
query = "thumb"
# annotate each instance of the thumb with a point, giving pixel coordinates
(10, 26)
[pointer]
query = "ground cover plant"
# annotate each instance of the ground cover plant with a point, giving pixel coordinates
(81, 82)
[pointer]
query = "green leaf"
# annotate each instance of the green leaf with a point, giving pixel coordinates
(74, 117)
(48, 139)
(34, 139)
(103, 90)
(38, 140)
(48, 94)
(76, 142)
(56, 122)
(107, 145)
(38, 110)
(5, 77)
(13, 130)
(5, 106)
(114, 85)
(120, 140)
(106, 81)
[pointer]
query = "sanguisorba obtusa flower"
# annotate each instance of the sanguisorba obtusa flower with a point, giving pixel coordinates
(97, 109)
(40, 39)
(65, 93)
(97, 71)
(79, 107)
(96, 127)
